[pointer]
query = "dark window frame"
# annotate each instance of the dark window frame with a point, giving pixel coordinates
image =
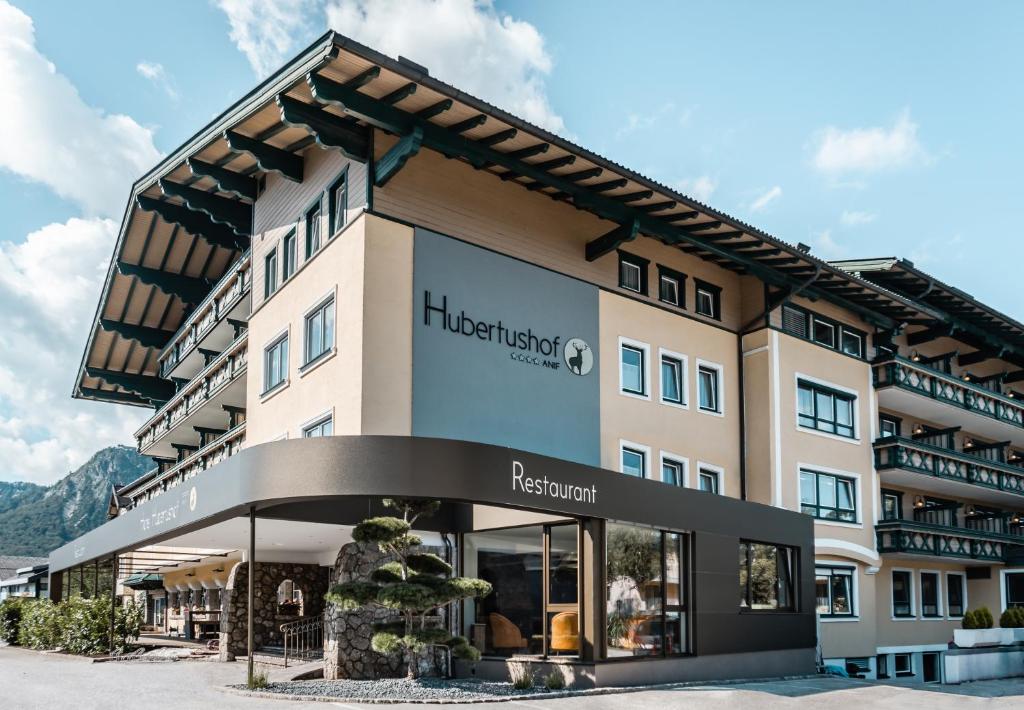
(821, 512)
(290, 256)
(896, 657)
(677, 365)
(882, 666)
(1010, 601)
(270, 272)
(308, 357)
(961, 587)
(268, 385)
(898, 496)
(840, 329)
(818, 422)
(937, 591)
(340, 180)
(318, 426)
(834, 571)
(643, 460)
(909, 602)
(665, 272)
(644, 390)
(315, 207)
(716, 388)
(641, 264)
(716, 476)
(716, 299)
(792, 555)
(896, 422)
(679, 467)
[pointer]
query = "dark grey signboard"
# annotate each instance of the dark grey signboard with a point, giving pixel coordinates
(503, 352)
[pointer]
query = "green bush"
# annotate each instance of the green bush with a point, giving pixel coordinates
(80, 626)
(11, 611)
(980, 618)
(1012, 618)
(554, 680)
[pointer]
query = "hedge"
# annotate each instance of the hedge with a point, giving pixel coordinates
(80, 626)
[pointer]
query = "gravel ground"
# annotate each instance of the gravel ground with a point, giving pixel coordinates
(400, 689)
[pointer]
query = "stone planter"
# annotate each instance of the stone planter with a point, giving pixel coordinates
(973, 638)
(1018, 635)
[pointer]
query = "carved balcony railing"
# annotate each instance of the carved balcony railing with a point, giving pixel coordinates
(222, 370)
(225, 295)
(895, 452)
(153, 484)
(917, 538)
(896, 371)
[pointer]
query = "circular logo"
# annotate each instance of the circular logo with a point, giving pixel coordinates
(578, 356)
(192, 498)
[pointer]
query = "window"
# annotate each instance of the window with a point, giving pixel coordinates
(892, 505)
(275, 364)
(834, 591)
(888, 425)
(634, 462)
(902, 594)
(955, 594)
(707, 480)
(671, 285)
(324, 427)
(633, 369)
(828, 497)
(825, 409)
(794, 321)
(270, 273)
(633, 273)
(337, 199)
(766, 577)
(288, 255)
(901, 664)
(672, 472)
(673, 379)
(832, 334)
(709, 386)
(852, 343)
(313, 230)
(1014, 590)
(824, 333)
(319, 331)
(930, 595)
(882, 667)
(709, 299)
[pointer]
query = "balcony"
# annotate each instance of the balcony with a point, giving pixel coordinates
(912, 537)
(916, 389)
(156, 482)
(199, 407)
(903, 462)
(214, 323)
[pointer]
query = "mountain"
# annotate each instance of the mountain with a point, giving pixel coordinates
(37, 519)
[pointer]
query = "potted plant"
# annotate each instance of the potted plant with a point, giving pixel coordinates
(977, 630)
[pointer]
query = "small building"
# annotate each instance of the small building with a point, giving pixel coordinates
(28, 582)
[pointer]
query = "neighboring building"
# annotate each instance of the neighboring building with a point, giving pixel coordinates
(444, 301)
(31, 581)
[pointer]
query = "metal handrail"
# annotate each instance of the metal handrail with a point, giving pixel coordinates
(305, 637)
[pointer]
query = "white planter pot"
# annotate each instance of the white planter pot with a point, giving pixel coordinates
(1018, 635)
(972, 638)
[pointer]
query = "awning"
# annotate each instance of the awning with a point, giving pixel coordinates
(144, 581)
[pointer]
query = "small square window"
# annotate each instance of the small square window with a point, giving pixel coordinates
(902, 665)
(888, 425)
(708, 300)
(670, 286)
(708, 481)
(824, 333)
(709, 386)
(634, 462)
(672, 381)
(853, 343)
(633, 272)
(672, 472)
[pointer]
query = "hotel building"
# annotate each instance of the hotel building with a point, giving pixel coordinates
(677, 446)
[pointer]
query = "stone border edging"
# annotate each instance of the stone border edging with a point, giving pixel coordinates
(505, 698)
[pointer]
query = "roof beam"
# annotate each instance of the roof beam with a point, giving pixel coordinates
(681, 216)
(227, 180)
(403, 92)
(611, 241)
(499, 137)
(435, 110)
(187, 288)
(610, 185)
(980, 356)
(931, 333)
(469, 124)
(268, 158)
(196, 223)
(235, 214)
(657, 206)
(703, 226)
(635, 196)
(363, 78)
(149, 387)
(113, 396)
(351, 139)
(556, 163)
(146, 337)
(397, 156)
(529, 151)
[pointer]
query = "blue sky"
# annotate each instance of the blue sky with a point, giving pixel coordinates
(862, 129)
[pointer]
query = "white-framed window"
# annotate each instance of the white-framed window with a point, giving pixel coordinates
(337, 199)
(670, 286)
(931, 594)
(824, 333)
(313, 229)
(674, 469)
(902, 594)
(673, 378)
(270, 273)
(709, 478)
(710, 388)
(633, 273)
(835, 590)
(275, 363)
(634, 459)
(707, 299)
(956, 595)
(321, 427)
(319, 331)
(902, 665)
(288, 255)
(634, 368)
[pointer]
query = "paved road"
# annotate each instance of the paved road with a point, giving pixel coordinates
(33, 680)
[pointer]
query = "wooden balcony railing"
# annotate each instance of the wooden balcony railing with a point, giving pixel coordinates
(917, 538)
(895, 452)
(225, 368)
(224, 296)
(896, 371)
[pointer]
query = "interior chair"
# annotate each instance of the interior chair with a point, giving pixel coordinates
(505, 634)
(565, 631)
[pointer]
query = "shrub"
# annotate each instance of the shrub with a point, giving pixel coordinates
(260, 679)
(1012, 618)
(521, 674)
(980, 618)
(11, 612)
(554, 680)
(80, 626)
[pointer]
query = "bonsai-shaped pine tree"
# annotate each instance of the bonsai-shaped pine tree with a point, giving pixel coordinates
(412, 584)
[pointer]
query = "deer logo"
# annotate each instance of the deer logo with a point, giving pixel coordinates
(578, 356)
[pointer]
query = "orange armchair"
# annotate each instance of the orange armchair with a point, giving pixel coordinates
(505, 634)
(565, 631)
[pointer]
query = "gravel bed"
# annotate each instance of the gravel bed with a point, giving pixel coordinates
(401, 689)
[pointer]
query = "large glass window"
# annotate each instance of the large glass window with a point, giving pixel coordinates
(766, 577)
(672, 380)
(930, 595)
(646, 600)
(709, 385)
(828, 497)
(834, 590)
(955, 594)
(275, 364)
(902, 594)
(825, 409)
(634, 380)
(320, 331)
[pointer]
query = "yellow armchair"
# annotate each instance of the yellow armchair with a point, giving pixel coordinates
(565, 631)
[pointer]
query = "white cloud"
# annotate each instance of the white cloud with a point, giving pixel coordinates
(155, 72)
(637, 122)
(825, 247)
(48, 134)
(768, 196)
(854, 218)
(267, 32)
(864, 150)
(48, 288)
(467, 43)
(699, 188)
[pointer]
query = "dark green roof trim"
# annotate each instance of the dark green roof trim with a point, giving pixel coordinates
(148, 387)
(196, 223)
(351, 139)
(189, 289)
(221, 210)
(146, 337)
(269, 158)
(227, 181)
(396, 158)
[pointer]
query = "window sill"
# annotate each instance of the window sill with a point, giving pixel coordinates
(675, 405)
(837, 619)
(270, 393)
(903, 618)
(711, 412)
(933, 618)
(317, 361)
(827, 435)
(838, 523)
(635, 395)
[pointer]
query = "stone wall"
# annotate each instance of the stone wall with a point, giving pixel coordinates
(311, 579)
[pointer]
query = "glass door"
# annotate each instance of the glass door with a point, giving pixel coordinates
(562, 583)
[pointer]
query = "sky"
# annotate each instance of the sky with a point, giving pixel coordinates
(861, 129)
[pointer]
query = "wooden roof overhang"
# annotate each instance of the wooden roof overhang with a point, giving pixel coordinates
(333, 94)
